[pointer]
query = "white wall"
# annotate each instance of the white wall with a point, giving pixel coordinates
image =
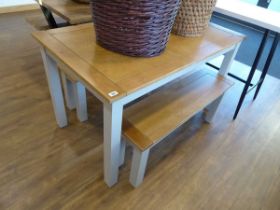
(9, 3)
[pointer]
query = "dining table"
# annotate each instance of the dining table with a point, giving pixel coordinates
(117, 80)
(77, 13)
(258, 16)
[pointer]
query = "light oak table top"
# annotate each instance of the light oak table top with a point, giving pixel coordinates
(106, 71)
(73, 12)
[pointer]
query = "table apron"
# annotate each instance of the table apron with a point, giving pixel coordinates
(184, 72)
(136, 94)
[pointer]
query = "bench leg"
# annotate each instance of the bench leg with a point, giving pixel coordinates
(138, 167)
(212, 109)
(122, 152)
(80, 101)
(68, 87)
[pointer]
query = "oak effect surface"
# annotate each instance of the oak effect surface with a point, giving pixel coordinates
(224, 166)
(160, 113)
(77, 44)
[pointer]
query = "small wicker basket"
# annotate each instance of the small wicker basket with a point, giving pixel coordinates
(193, 17)
(134, 28)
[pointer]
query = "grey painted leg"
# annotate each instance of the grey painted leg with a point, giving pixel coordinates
(112, 141)
(68, 87)
(122, 152)
(228, 59)
(138, 167)
(55, 88)
(80, 101)
(226, 64)
(211, 110)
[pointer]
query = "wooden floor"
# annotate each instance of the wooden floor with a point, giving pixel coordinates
(226, 165)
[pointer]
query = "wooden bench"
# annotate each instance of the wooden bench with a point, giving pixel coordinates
(147, 122)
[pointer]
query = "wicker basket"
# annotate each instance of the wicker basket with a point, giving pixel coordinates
(82, 1)
(193, 17)
(134, 27)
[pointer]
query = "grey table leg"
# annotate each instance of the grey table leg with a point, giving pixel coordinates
(55, 88)
(225, 67)
(112, 141)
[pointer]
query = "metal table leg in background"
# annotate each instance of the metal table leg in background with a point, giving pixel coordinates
(229, 74)
(267, 63)
(49, 17)
(252, 72)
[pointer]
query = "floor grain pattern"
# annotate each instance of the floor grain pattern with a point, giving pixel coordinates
(224, 166)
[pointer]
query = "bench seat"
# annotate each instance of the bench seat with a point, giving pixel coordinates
(150, 120)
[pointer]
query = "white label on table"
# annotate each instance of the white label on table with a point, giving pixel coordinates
(113, 93)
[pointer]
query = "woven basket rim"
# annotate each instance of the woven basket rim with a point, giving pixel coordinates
(131, 29)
